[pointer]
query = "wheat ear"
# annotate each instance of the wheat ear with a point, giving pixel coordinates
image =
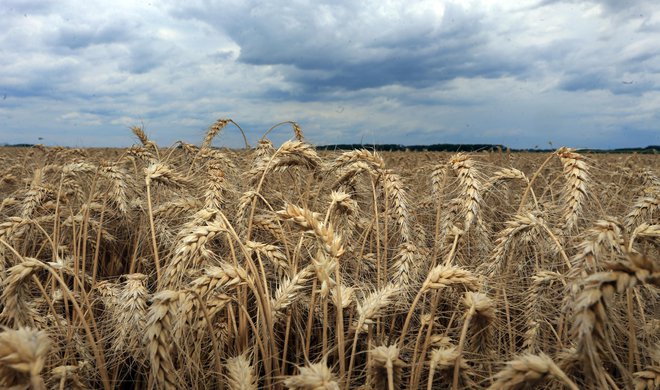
(313, 377)
(288, 292)
(371, 308)
(189, 249)
(17, 309)
(22, 358)
(158, 337)
(590, 307)
(131, 313)
(529, 370)
(213, 196)
(648, 379)
(645, 208)
(385, 368)
(467, 173)
(576, 172)
(241, 374)
(444, 359)
(439, 277)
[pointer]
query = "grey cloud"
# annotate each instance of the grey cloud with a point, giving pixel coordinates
(78, 37)
(144, 57)
(627, 6)
(609, 81)
(637, 74)
(220, 56)
(586, 81)
(29, 7)
(133, 53)
(40, 80)
(414, 70)
(612, 6)
(612, 54)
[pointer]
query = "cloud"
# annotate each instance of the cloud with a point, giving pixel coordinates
(81, 119)
(514, 72)
(610, 7)
(77, 37)
(29, 7)
(355, 46)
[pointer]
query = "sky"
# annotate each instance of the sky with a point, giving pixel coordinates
(522, 73)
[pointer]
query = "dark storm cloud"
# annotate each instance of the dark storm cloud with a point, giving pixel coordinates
(344, 52)
(413, 70)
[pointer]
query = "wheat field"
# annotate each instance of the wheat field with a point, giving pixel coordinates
(193, 267)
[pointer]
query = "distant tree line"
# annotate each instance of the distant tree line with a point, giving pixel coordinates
(416, 148)
(651, 149)
(18, 145)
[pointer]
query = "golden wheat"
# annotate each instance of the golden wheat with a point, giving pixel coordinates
(288, 267)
